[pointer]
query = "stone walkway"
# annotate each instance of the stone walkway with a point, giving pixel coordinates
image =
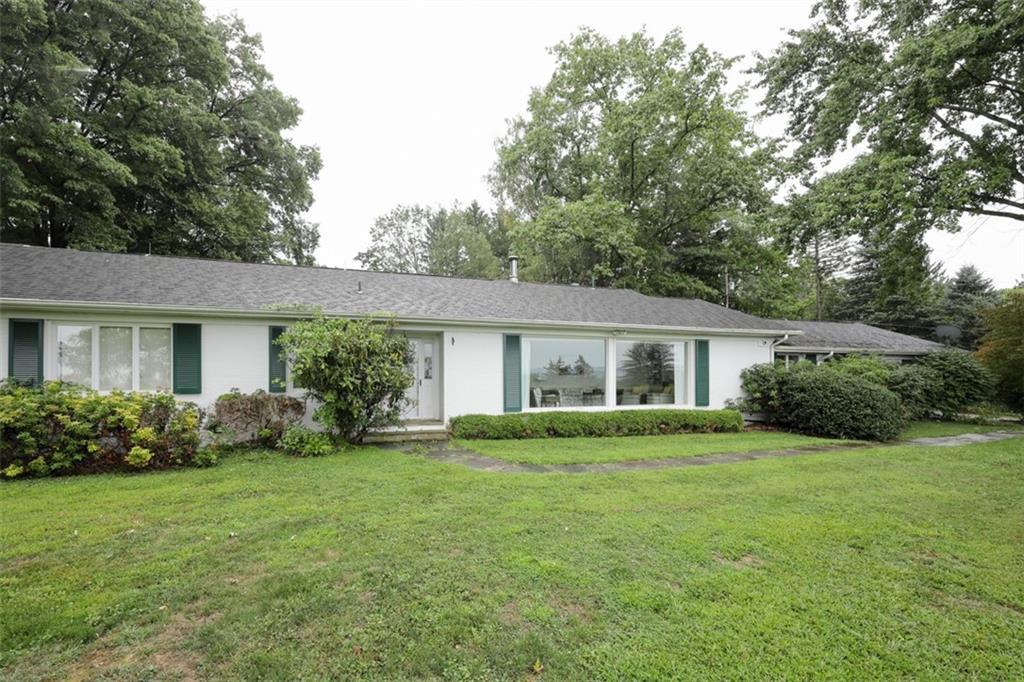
(451, 454)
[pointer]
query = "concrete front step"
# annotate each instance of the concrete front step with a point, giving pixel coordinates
(417, 435)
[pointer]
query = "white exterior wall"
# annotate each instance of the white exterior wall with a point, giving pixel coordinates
(235, 355)
(727, 357)
(473, 374)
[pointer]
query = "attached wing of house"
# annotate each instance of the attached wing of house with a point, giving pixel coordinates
(202, 327)
(819, 340)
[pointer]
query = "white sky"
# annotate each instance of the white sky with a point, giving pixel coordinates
(405, 100)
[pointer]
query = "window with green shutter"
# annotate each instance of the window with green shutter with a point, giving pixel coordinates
(25, 351)
(513, 368)
(278, 366)
(702, 389)
(188, 358)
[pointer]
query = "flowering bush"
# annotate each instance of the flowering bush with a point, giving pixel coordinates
(65, 429)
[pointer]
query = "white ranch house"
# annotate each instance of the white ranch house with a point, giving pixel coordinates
(202, 327)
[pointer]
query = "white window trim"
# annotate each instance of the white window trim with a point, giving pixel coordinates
(682, 399)
(51, 369)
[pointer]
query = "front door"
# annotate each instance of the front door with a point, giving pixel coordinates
(422, 394)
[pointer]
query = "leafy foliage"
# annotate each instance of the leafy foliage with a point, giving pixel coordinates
(299, 441)
(257, 419)
(356, 370)
(931, 90)
(636, 158)
(830, 404)
(455, 242)
(64, 429)
(963, 381)
(1002, 349)
(594, 424)
(146, 127)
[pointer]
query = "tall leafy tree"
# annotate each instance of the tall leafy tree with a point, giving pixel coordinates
(651, 130)
(930, 94)
(131, 126)
(455, 242)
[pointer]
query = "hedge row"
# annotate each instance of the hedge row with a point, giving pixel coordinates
(557, 424)
(65, 429)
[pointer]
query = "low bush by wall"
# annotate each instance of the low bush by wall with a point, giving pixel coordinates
(257, 419)
(558, 424)
(64, 429)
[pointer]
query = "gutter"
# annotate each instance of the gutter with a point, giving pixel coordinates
(191, 311)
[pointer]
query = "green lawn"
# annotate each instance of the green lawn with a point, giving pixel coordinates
(932, 429)
(892, 562)
(593, 450)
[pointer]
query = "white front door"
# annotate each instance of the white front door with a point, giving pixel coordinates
(422, 394)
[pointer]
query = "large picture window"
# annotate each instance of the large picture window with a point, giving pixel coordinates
(645, 373)
(111, 358)
(565, 372)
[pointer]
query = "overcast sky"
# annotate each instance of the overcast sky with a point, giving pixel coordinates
(405, 100)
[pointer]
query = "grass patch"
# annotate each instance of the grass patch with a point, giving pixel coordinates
(897, 562)
(934, 429)
(630, 448)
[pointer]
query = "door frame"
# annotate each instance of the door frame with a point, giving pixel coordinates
(437, 339)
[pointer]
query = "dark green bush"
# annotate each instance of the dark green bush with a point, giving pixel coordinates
(962, 381)
(915, 386)
(300, 441)
(64, 429)
(258, 418)
(870, 367)
(558, 424)
(763, 385)
(832, 404)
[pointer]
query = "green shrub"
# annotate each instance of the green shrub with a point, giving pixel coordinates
(258, 418)
(915, 386)
(300, 441)
(357, 370)
(833, 404)
(558, 424)
(64, 429)
(763, 385)
(961, 381)
(870, 367)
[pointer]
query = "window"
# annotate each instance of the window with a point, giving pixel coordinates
(115, 358)
(645, 373)
(74, 354)
(154, 359)
(109, 358)
(565, 372)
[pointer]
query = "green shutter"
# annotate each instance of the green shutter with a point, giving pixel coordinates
(702, 397)
(278, 367)
(513, 366)
(188, 358)
(25, 351)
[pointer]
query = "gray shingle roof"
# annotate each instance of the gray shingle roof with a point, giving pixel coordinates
(39, 273)
(829, 336)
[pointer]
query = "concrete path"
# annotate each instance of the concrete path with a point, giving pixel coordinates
(452, 454)
(966, 438)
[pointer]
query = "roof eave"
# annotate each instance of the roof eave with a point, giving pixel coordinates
(283, 314)
(851, 349)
